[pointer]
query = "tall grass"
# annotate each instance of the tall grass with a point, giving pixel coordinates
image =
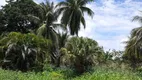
(97, 74)
(110, 74)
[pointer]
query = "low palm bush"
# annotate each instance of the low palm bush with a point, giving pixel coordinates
(82, 53)
(24, 51)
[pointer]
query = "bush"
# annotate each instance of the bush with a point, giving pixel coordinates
(82, 53)
(24, 51)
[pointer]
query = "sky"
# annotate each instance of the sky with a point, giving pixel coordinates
(112, 22)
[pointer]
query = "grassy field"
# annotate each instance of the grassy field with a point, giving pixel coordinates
(98, 74)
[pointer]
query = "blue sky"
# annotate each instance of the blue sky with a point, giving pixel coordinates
(111, 24)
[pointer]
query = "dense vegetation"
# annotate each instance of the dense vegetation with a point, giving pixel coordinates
(40, 42)
(98, 74)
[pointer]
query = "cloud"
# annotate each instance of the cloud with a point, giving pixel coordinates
(2, 2)
(112, 22)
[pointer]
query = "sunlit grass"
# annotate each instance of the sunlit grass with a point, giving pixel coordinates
(109, 74)
(97, 74)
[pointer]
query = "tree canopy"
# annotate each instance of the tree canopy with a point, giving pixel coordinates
(14, 16)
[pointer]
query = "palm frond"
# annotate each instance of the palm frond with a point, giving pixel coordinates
(42, 30)
(65, 20)
(64, 4)
(73, 11)
(33, 18)
(88, 11)
(84, 2)
(83, 22)
(57, 26)
(137, 18)
(60, 10)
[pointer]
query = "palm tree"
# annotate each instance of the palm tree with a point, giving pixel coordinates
(47, 19)
(136, 33)
(83, 53)
(48, 28)
(73, 14)
(62, 38)
(133, 47)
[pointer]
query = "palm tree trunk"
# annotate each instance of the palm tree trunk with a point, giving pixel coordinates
(58, 62)
(133, 63)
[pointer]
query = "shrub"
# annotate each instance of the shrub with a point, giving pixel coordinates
(82, 53)
(24, 51)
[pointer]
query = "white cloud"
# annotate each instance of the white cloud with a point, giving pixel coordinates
(2, 2)
(112, 23)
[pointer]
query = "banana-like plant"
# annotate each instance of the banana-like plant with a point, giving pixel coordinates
(24, 51)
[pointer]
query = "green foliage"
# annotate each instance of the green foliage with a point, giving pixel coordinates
(139, 69)
(30, 52)
(83, 53)
(133, 47)
(98, 74)
(24, 51)
(134, 44)
(113, 55)
(47, 20)
(109, 74)
(62, 39)
(14, 16)
(2, 22)
(48, 29)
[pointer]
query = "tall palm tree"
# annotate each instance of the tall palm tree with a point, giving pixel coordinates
(133, 47)
(47, 19)
(73, 14)
(62, 38)
(48, 26)
(136, 33)
(48, 30)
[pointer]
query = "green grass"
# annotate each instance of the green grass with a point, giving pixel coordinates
(109, 74)
(13, 75)
(97, 74)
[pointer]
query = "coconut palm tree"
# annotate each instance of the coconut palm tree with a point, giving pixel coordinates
(133, 47)
(48, 28)
(73, 14)
(47, 19)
